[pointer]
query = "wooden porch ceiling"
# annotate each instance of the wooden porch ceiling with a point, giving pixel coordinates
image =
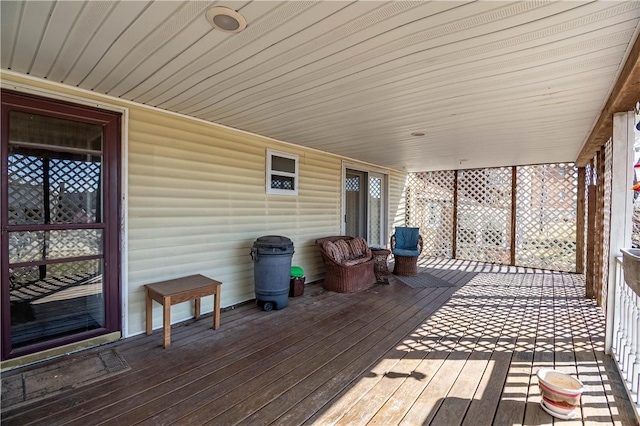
(388, 355)
(495, 83)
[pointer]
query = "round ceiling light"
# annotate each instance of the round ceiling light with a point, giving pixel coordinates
(225, 19)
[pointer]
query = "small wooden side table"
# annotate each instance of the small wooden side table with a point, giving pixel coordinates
(380, 267)
(180, 290)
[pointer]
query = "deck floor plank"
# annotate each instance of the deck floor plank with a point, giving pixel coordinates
(262, 377)
(139, 381)
(385, 356)
(482, 332)
(343, 403)
(564, 349)
(508, 316)
(543, 355)
(406, 370)
(188, 380)
(513, 402)
(458, 347)
(331, 394)
(356, 357)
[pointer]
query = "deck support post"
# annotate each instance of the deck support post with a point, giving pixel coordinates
(513, 229)
(580, 220)
(454, 234)
(621, 206)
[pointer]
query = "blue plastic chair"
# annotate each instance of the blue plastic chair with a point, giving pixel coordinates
(406, 246)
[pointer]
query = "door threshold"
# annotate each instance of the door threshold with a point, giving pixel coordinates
(10, 364)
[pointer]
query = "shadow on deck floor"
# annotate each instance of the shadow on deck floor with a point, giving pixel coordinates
(388, 355)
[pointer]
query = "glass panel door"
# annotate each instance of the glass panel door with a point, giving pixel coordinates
(54, 232)
(365, 206)
(355, 204)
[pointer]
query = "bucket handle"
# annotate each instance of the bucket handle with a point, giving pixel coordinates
(254, 254)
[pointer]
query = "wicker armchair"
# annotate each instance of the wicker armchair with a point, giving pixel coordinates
(406, 246)
(346, 272)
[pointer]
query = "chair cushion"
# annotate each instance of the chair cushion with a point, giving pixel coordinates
(407, 238)
(356, 248)
(353, 262)
(333, 251)
(345, 250)
(348, 252)
(406, 253)
(359, 248)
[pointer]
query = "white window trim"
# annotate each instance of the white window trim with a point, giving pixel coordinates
(269, 172)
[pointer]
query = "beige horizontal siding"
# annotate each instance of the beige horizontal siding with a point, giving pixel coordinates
(397, 200)
(197, 202)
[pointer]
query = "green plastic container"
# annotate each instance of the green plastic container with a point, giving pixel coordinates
(297, 272)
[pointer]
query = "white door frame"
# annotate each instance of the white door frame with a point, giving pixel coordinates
(370, 170)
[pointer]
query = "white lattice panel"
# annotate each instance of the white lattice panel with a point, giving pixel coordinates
(546, 202)
(430, 207)
(484, 215)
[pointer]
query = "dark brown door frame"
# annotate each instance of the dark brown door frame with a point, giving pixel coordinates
(111, 124)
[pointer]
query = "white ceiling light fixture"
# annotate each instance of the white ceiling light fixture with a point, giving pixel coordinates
(225, 19)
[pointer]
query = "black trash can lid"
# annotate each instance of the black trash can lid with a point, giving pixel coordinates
(273, 242)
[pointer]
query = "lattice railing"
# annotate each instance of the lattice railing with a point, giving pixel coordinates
(546, 200)
(431, 209)
(484, 215)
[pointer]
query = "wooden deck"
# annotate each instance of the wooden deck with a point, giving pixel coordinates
(385, 356)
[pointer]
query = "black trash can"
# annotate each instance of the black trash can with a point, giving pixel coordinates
(271, 256)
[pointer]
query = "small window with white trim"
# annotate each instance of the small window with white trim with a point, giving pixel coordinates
(282, 173)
